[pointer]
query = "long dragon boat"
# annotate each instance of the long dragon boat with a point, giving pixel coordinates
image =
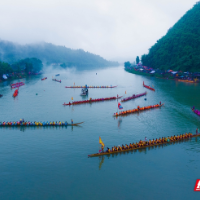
(16, 85)
(133, 97)
(43, 79)
(138, 109)
(91, 101)
(20, 123)
(90, 86)
(197, 112)
(148, 87)
(56, 80)
(187, 81)
(145, 144)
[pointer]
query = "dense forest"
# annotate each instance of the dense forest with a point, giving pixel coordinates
(27, 66)
(179, 49)
(52, 54)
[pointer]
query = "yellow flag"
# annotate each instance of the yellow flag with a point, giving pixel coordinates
(72, 98)
(100, 142)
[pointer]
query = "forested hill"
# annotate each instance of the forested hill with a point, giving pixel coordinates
(52, 54)
(179, 49)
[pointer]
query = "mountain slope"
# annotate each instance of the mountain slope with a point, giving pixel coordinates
(179, 49)
(49, 53)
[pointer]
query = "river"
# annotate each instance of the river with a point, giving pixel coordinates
(52, 162)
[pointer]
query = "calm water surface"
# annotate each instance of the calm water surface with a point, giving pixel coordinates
(52, 163)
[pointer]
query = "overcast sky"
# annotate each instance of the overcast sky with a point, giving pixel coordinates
(114, 29)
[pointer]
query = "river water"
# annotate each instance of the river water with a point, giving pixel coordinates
(52, 162)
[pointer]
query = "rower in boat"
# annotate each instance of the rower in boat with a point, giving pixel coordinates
(108, 150)
(149, 143)
(153, 141)
(130, 146)
(113, 149)
(119, 148)
(123, 147)
(116, 148)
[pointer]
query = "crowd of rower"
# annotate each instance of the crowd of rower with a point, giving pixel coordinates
(149, 143)
(136, 110)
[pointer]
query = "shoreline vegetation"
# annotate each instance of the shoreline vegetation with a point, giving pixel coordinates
(20, 69)
(176, 55)
(139, 69)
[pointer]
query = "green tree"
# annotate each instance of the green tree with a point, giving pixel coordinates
(137, 60)
(127, 64)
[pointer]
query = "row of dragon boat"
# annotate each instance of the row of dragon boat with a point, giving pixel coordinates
(16, 85)
(148, 87)
(138, 109)
(133, 97)
(146, 144)
(28, 123)
(91, 101)
(90, 86)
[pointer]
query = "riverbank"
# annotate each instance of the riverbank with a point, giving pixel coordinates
(172, 75)
(14, 76)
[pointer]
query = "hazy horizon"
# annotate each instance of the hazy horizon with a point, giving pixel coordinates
(115, 30)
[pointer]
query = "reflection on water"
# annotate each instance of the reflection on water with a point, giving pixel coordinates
(23, 128)
(101, 159)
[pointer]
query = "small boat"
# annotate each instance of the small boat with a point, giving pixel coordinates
(133, 97)
(91, 101)
(84, 92)
(24, 123)
(143, 147)
(197, 112)
(1, 95)
(44, 78)
(56, 80)
(57, 75)
(90, 86)
(138, 109)
(15, 93)
(148, 87)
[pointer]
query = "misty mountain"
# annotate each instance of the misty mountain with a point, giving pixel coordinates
(52, 54)
(179, 49)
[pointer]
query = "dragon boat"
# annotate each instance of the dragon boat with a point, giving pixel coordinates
(148, 87)
(16, 85)
(145, 144)
(187, 81)
(44, 78)
(56, 80)
(91, 101)
(138, 109)
(133, 97)
(197, 112)
(15, 93)
(90, 86)
(27, 123)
